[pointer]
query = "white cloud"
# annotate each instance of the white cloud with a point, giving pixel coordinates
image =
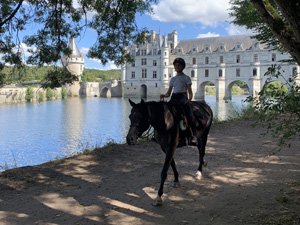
(234, 30)
(109, 66)
(24, 49)
(84, 50)
(207, 12)
(209, 34)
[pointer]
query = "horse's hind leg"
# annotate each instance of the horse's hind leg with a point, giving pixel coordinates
(201, 149)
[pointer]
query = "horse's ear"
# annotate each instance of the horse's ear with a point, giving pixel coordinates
(131, 103)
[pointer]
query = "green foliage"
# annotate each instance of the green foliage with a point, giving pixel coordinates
(279, 109)
(49, 94)
(275, 23)
(41, 96)
(104, 74)
(113, 21)
(29, 94)
(63, 92)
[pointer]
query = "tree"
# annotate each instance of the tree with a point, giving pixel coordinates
(275, 22)
(29, 94)
(57, 21)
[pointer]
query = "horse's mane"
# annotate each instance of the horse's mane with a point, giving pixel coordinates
(156, 111)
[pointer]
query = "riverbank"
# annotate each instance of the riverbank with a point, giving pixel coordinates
(247, 181)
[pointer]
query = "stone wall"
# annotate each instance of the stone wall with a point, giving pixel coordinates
(12, 94)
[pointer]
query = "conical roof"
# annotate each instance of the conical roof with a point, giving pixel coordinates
(74, 48)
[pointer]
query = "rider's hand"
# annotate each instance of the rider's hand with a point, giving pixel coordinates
(187, 101)
(162, 95)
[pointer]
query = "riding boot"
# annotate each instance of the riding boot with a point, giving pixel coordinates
(182, 124)
(193, 139)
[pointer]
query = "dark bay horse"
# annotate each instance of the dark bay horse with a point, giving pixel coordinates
(167, 132)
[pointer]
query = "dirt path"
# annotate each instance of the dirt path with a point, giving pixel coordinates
(246, 182)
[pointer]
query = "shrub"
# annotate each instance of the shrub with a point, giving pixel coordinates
(29, 94)
(49, 94)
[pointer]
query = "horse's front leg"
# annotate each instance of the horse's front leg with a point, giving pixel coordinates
(176, 174)
(164, 173)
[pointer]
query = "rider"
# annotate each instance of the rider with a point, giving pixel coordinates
(180, 85)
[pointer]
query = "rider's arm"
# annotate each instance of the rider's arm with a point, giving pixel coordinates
(189, 87)
(168, 93)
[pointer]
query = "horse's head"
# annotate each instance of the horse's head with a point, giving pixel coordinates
(139, 121)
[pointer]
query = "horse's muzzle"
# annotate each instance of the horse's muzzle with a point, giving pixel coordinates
(130, 140)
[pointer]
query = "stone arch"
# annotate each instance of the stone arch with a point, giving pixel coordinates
(228, 90)
(279, 83)
(201, 91)
(143, 91)
(105, 92)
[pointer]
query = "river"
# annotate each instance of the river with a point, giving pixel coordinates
(34, 133)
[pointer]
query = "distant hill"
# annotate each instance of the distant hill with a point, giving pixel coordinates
(96, 75)
(37, 74)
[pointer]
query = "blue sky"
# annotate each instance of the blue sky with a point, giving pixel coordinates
(191, 19)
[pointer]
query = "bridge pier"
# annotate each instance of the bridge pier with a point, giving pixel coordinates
(220, 89)
(255, 86)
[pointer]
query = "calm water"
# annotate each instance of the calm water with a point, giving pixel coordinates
(33, 133)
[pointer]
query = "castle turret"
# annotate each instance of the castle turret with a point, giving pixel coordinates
(74, 63)
(165, 61)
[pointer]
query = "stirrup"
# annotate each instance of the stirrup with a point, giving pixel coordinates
(182, 125)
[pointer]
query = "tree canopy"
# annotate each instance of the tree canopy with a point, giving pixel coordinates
(275, 22)
(58, 20)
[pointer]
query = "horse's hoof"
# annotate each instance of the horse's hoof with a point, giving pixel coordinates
(198, 175)
(176, 184)
(205, 163)
(157, 201)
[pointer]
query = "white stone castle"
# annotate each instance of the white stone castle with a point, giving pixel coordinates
(221, 60)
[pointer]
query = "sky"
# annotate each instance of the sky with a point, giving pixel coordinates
(191, 19)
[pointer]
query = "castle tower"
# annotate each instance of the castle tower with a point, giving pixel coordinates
(165, 61)
(74, 63)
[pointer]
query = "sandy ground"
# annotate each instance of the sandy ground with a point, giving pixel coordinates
(247, 181)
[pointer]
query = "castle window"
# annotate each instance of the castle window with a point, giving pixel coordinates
(193, 73)
(165, 63)
(133, 52)
(220, 73)
(206, 73)
(133, 74)
(154, 74)
(194, 61)
(144, 61)
(154, 51)
(255, 58)
(143, 52)
(165, 75)
(133, 64)
(154, 63)
(144, 73)
(238, 72)
(156, 85)
(81, 67)
(165, 53)
(273, 57)
(221, 59)
(131, 84)
(221, 47)
(254, 72)
(238, 59)
(170, 75)
(206, 60)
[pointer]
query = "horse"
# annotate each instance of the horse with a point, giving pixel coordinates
(160, 115)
